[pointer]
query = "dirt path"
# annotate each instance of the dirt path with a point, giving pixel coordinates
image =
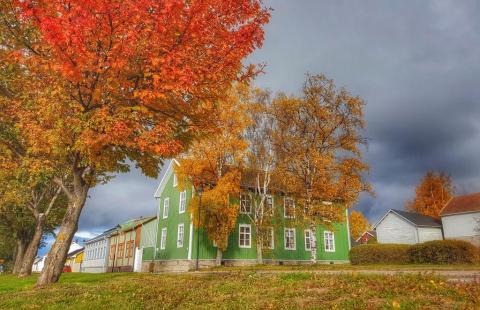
(450, 275)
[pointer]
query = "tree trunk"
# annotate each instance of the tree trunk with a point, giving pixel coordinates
(19, 254)
(313, 242)
(58, 253)
(259, 250)
(32, 249)
(218, 260)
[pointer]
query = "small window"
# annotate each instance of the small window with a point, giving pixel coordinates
(175, 180)
(112, 251)
(289, 235)
(166, 206)
(289, 207)
(120, 250)
(129, 248)
(269, 204)
(163, 239)
(183, 201)
(180, 234)
(329, 241)
(308, 240)
(245, 236)
(268, 241)
(245, 204)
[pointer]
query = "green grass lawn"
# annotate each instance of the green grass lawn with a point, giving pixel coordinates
(238, 290)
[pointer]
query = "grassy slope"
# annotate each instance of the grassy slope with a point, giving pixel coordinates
(237, 290)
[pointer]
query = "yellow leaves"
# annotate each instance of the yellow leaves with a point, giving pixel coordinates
(358, 224)
(431, 195)
(395, 304)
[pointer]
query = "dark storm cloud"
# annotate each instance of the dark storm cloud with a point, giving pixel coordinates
(415, 63)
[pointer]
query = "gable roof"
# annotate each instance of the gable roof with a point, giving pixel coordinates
(105, 234)
(75, 253)
(415, 219)
(462, 204)
(165, 173)
(131, 224)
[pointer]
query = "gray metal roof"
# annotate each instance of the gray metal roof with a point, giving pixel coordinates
(419, 219)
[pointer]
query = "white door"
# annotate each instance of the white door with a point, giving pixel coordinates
(137, 267)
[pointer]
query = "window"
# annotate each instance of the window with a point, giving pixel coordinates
(183, 200)
(329, 241)
(245, 204)
(308, 240)
(268, 242)
(163, 239)
(289, 235)
(180, 234)
(112, 252)
(175, 180)
(245, 237)
(129, 249)
(289, 207)
(269, 204)
(166, 206)
(120, 250)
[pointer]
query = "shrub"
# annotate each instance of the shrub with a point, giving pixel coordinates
(444, 252)
(379, 254)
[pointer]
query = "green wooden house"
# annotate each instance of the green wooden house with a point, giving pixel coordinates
(174, 246)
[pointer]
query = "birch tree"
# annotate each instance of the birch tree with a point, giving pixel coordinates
(318, 139)
(259, 169)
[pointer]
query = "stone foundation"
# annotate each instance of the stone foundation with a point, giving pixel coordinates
(189, 265)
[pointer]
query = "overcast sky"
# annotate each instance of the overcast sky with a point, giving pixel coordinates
(415, 63)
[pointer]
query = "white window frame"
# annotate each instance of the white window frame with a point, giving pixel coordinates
(163, 239)
(327, 241)
(271, 246)
(166, 206)
(245, 198)
(182, 203)
(309, 231)
(267, 210)
(285, 207)
(180, 235)
(175, 180)
(294, 239)
(249, 236)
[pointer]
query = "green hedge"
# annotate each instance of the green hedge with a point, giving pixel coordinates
(444, 252)
(379, 254)
(434, 252)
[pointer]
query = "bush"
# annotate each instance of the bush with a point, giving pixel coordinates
(443, 252)
(379, 254)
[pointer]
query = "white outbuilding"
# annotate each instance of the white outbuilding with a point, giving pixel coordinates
(398, 226)
(461, 218)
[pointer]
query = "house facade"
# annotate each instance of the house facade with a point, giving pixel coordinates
(461, 218)
(403, 227)
(96, 253)
(175, 244)
(123, 244)
(367, 237)
(74, 261)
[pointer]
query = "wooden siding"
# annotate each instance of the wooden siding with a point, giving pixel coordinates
(234, 252)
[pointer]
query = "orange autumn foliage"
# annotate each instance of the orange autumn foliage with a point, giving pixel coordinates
(214, 165)
(318, 140)
(358, 224)
(116, 82)
(432, 194)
